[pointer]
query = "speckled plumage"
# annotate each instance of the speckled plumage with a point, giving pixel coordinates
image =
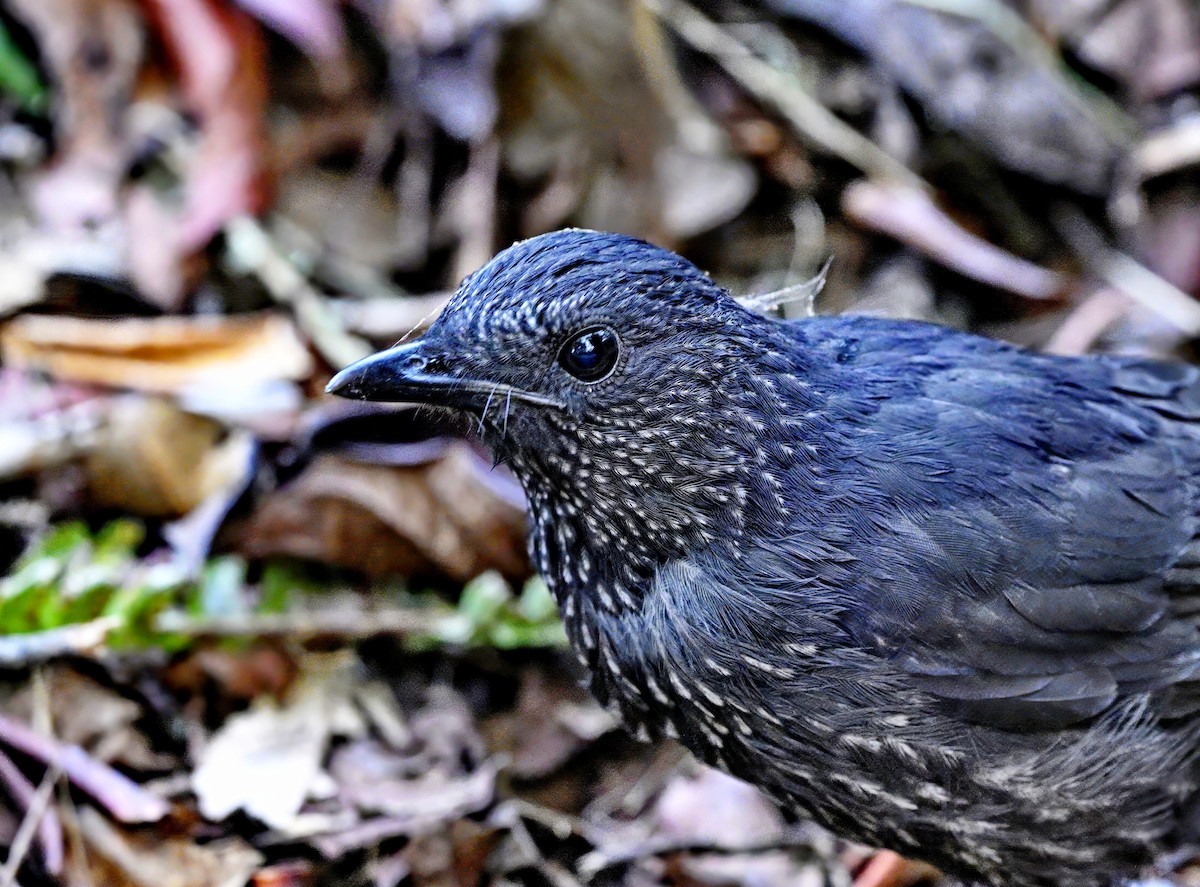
(936, 592)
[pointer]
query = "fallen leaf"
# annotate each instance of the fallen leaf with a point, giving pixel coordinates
(313, 25)
(152, 459)
(162, 354)
(456, 44)
(1006, 93)
(221, 60)
(93, 51)
(219, 56)
(1152, 46)
(441, 515)
(293, 873)
(267, 760)
(702, 190)
(553, 721)
(94, 717)
(582, 121)
(376, 780)
(152, 861)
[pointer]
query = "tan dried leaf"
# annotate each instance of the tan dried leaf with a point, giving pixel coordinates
(162, 354)
(148, 860)
(153, 459)
(267, 760)
(384, 519)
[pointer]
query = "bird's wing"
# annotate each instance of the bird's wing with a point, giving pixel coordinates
(1033, 552)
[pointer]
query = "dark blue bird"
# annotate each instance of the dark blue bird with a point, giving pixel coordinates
(938, 593)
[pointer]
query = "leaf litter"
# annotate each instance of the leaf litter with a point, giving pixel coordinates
(248, 635)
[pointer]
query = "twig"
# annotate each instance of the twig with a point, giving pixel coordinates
(250, 249)
(325, 262)
(30, 826)
(1126, 274)
(1169, 150)
(119, 795)
(1087, 323)
(302, 625)
(49, 830)
(803, 293)
(913, 218)
(39, 646)
(795, 841)
(808, 117)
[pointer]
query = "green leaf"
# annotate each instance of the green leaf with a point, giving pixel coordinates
(483, 598)
(278, 586)
(18, 76)
(221, 591)
(536, 603)
(118, 540)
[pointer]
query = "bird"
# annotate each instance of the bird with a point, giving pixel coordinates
(935, 592)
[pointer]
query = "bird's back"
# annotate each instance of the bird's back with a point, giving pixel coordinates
(977, 612)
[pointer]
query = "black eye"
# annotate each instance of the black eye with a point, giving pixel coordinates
(590, 356)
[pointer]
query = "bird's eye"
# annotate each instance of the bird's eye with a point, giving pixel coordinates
(590, 355)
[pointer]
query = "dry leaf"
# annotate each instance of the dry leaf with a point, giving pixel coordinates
(379, 519)
(376, 780)
(163, 354)
(1003, 93)
(221, 59)
(93, 50)
(148, 860)
(92, 716)
(267, 760)
(153, 459)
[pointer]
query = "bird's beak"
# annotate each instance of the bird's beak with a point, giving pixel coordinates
(398, 375)
(411, 374)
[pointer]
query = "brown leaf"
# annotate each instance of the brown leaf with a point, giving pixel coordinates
(164, 354)
(267, 760)
(221, 60)
(148, 860)
(997, 90)
(381, 519)
(232, 676)
(153, 459)
(92, 716)
(553, 722)
(1153, 46)
(581, 117)
(93, 50)
(376, 780)
(293, 873)
(313, 25)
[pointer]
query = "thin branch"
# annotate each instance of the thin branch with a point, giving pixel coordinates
(1126, 274)
(811, 120)
(303, 625)
(913, 218)
(30, 827)
(252, 250)
(121, 796)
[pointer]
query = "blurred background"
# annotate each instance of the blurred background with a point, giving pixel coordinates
(252, 635)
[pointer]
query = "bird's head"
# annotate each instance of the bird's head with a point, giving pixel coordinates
(610, 374)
